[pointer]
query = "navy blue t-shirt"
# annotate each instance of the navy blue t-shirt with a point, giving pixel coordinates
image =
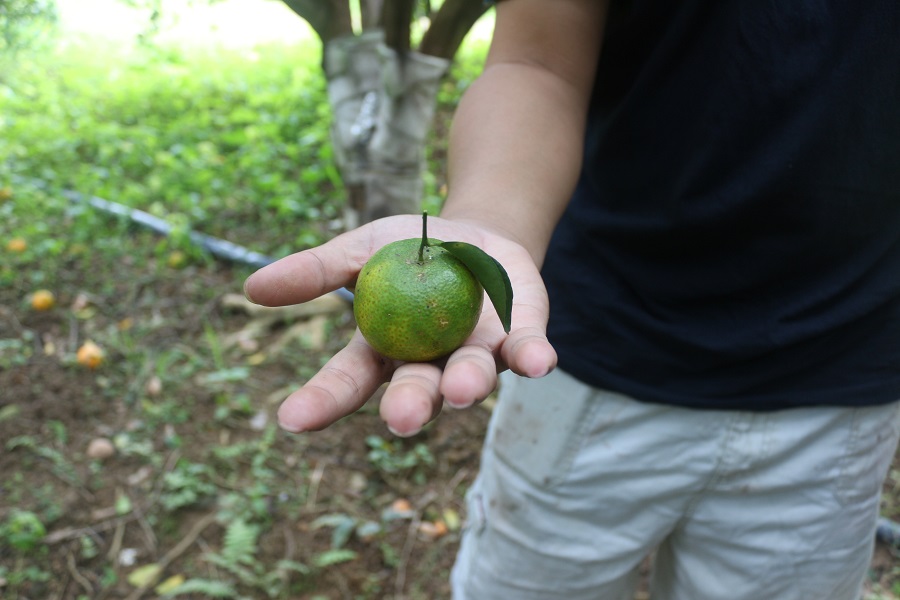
(734, 240)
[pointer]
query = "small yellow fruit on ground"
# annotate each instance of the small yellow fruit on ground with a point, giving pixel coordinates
(90, 355)
(176, 259)
(433, 530)
(416, 304)
(43, 300)
(401, 506)
(17, 245)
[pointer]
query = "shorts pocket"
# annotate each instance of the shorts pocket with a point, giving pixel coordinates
(540, 424)
(871, 444)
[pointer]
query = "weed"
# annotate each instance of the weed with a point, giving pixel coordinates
(232, 147)
(239, 561)
(391, 457)
(23, 531)
(187, 484)
(60, 465)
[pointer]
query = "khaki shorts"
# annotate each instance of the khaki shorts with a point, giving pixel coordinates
(578, 486)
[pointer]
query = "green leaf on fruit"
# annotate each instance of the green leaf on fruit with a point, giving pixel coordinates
(489, 273)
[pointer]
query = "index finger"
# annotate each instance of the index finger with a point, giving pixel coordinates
(311, 273)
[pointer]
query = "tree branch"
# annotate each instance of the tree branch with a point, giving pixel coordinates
(370, 11)
(450, 26)
(328, 18)
(396, 16)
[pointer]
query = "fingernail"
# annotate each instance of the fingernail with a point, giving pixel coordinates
(542, 373)
(247, 290)
(290, 428)
(405, 435)
(459, 405)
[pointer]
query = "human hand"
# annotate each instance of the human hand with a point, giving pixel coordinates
(416, 390)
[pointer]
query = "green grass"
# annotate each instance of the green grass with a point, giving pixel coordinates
(217, 142)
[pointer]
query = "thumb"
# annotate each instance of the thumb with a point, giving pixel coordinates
(526, 350)
(306, 275)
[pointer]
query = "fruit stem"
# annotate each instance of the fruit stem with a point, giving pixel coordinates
(424, 236)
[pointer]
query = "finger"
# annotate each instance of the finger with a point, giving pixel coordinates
(341, 387)
(309, 274)
(470, 375)
(412, 398)
(526, 350)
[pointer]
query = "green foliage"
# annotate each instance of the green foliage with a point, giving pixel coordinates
(23, 530)
(61, 465)
(23, 23)
(232, 144)
(223, 143)
(334, 557)
(489, 273)
(240, 542)
(29, 574)
(204, 588)
(188, 484)
(238, 559)
(391, 457)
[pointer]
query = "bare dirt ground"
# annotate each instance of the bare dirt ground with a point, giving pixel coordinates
(167, 319)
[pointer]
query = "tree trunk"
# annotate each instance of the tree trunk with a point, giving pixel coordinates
(382, 105)
(383, 94)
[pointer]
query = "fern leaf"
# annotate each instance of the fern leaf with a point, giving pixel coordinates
(205, 588)
(240, 542)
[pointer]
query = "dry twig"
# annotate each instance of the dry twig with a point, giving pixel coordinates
(174, 553)
(400, 579)
(77, 576)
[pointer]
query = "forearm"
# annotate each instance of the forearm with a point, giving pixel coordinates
(517, 137)
(515, 157)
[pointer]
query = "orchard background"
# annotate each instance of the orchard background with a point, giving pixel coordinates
(140, 457)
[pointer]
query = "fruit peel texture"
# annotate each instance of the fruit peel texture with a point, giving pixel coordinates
(416, 311)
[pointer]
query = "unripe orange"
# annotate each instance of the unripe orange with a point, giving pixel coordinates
(414, 307)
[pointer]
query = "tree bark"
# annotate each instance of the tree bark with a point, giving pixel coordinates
(328, 18)
(382, 94)
(370, 10)
(395, 20)
(449, 27)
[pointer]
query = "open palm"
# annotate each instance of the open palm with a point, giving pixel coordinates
(416, 390)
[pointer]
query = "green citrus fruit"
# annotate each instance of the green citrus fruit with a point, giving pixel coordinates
(416, 310)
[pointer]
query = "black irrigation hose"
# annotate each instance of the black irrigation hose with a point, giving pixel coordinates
(217, 247)
(888, 532)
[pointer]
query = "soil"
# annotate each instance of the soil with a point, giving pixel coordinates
(170, 316)
(50, 394)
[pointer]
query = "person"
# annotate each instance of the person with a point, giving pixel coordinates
(702, 199)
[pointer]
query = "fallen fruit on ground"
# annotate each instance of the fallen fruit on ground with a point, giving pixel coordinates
(90, 355)
(43, 300)
(16, 245)
(176, 259)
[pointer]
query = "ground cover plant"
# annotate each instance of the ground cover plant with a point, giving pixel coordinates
(140, 457)
(138, 451)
